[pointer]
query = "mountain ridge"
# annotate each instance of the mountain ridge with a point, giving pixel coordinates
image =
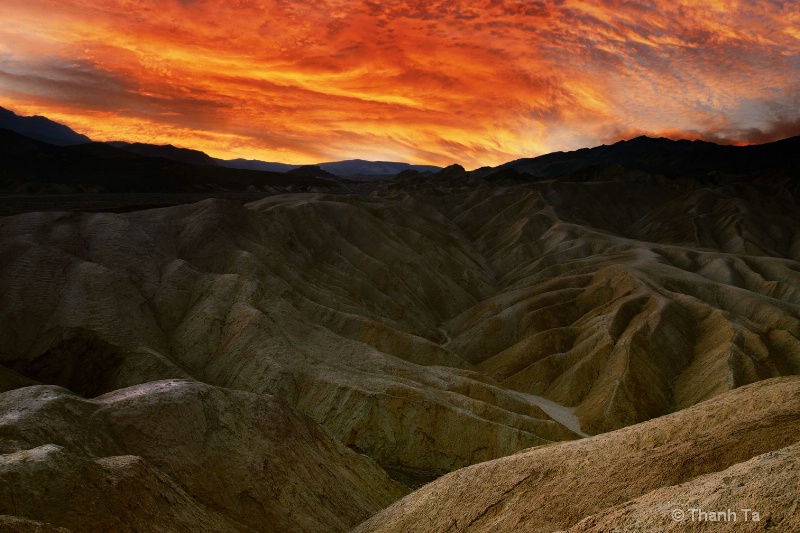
(167, 151)
(345, 168)
(643, 153)
(31, 166)
(671, 158)
(41, 128)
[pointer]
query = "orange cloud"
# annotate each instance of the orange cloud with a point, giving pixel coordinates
(477, 83)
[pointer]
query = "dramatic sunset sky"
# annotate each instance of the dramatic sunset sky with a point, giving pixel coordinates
(423, 81)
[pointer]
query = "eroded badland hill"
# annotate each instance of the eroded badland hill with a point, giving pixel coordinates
(584, 347)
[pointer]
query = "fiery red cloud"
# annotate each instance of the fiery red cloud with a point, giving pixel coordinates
(478, 83)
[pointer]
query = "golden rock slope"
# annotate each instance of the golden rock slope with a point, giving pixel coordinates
(740, 450)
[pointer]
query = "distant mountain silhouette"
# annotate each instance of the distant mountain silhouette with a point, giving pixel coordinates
(665, 157)
(359, 167)
(48, 131)
(41, 128)
(348, 168)
(312, 171)
(167, 151)
(255, 164)
(35, 167)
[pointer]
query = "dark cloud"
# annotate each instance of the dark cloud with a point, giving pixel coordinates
(77, 81)
(85, 85)
(782, 129)
(773, 131)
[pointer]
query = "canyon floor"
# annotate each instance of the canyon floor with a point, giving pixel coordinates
(485, 351)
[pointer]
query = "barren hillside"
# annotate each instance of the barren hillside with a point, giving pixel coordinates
(439, 322)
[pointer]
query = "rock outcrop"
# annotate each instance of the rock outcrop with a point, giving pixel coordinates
(178, 456)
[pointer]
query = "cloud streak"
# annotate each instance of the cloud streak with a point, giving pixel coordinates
(477, 83)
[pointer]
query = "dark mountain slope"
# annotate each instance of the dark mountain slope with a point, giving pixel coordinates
(41, 128)
(30, 166)
(666, 157)
(167, 151)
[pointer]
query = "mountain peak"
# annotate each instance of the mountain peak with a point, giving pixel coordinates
(168, 151)
(41, 129)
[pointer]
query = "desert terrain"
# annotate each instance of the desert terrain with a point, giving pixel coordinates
(579, 342)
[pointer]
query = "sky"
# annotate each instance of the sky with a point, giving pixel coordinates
(422, 81)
